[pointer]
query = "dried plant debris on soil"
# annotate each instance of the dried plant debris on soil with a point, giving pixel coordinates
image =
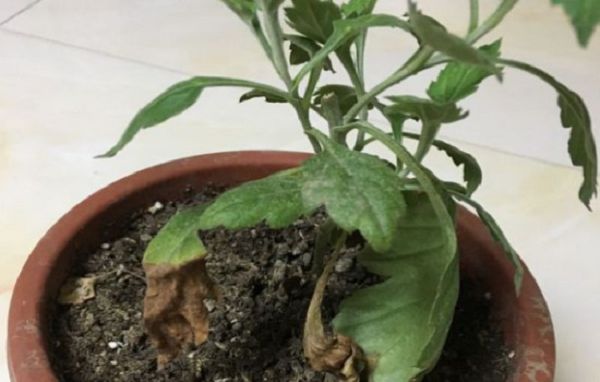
(265, 281)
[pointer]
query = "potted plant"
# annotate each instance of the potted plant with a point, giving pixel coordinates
(395, 228)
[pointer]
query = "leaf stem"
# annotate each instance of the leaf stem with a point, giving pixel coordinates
(358, 82)
(412, 66)
(474, 15)
(492, 21)
(275, 36)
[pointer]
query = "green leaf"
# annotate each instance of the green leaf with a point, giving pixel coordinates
(343, 31)
(313, 18)
(269, 97)
(575, 116)
(425, 110)
(498, 235)
(276, 200)
(431, 32)
(359, 192)
(358, 7)
(459, 80)
(302, 49)
(177, 242)
(176, 100)
(584, 14)
(346, 96)
(472, 173)
(402, 322)
(431, 115)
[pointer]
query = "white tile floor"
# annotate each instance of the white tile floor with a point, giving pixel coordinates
(72, 73)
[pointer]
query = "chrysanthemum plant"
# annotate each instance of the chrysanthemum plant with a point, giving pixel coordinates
(393, 331)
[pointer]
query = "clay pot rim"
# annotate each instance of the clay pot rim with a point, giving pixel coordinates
(27, 355)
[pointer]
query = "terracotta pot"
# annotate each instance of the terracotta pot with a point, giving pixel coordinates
(101, 216)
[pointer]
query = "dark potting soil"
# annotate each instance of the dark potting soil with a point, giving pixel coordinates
(265, 279)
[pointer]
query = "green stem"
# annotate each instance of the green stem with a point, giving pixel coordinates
(412, 66)
(492, 21)
(275, 36)
(313, 80)
(474, 16)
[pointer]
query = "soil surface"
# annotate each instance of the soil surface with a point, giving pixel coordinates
(265, 279)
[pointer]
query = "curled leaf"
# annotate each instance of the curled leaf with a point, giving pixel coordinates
(174, 313)
(330, 352)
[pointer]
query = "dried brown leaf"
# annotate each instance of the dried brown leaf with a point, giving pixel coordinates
(77, 290)
(175, 316)
(330, 352)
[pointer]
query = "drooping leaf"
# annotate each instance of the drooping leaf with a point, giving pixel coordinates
(459, 80)
(302, 49)
(359, 192)
(313, 18)
(432, 115)
(175, 316)
(344, 31)
(402, 323)
(176, 100)
(472, 173)
(358, 7)
(177, 242)
(438, 203)
(346, 96)
(269, 97)
(575, 116)
(498, 235)
(585, 16)
(432, 33)
(276, 200)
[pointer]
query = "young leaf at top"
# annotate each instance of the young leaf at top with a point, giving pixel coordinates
(358, 7)
(176, 100)
(359, 192)
(431, 32)
(498, 235)
(585, 16)
(276, 200)
(472, 173)
(313, 18)
(459, 80)
(344, 31)
(575, 116)
(401, 324)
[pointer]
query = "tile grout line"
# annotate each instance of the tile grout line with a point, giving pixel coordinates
(92, 51)
(18, 13)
